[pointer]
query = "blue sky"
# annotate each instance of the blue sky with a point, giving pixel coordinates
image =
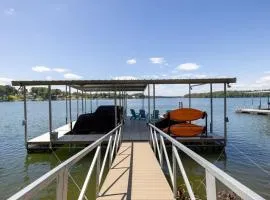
(136, 39)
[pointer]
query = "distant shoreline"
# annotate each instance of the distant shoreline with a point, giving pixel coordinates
(157, 97)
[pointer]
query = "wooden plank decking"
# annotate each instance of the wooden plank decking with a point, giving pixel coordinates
(135, 174)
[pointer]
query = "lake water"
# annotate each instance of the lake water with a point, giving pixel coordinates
(247, 153)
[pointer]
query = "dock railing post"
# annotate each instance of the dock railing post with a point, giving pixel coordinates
(62, 184)
(174, 173)
(98, 173)
(110, 153)
(211, 192)
(211, 108)
(153, 139)
(161, 152)
(25, 117)
(50, 113)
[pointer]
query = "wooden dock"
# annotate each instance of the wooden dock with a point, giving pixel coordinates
(132, 177)
(253, 111)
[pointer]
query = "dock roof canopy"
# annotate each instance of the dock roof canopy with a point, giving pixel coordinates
(124, 85)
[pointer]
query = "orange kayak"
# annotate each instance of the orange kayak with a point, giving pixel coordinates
(185, 130)
(186, 114)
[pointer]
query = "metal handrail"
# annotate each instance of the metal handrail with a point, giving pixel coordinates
(212, 172)
(60, 172)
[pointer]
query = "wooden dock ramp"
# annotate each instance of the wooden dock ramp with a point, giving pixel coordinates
(135, 174)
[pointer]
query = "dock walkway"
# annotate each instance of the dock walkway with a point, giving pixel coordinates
(135, 174)
(253, 111)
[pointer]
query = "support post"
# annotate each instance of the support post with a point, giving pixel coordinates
(115, 108)
(25, 117)
(126, 100)
(91, 106)
(154, 100)
(260, 106)
(77, 97)
(211, 192)
(225, 113)
(70, 115)
(268, 102)
(50, 112)
(82, 102)
(189, 95)
(96, 99)
(66, 106)
(149, 114)
(211, 108)
(85, 96)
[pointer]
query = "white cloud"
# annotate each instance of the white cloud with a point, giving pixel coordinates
(48, 78)
(125, 78)
(149, 76)
(200, 76)
(131, 61)
(9, 11)
(72, 76)
(188, 67)
(264, 80)
(41, 69)
(188, 76)
(5, 81)
(60, 70)
(157, 60)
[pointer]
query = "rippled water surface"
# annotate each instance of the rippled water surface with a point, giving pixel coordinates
(247, 156)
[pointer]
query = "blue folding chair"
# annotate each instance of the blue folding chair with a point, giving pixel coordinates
(142, 114)
(134, 115)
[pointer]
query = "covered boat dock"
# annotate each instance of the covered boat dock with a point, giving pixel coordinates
(136, 153)
(133, 130)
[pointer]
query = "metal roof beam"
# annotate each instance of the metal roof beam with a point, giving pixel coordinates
(142, 81)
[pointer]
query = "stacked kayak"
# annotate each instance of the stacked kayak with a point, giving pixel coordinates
(180, 122)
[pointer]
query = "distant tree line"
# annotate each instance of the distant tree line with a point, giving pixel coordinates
(9, 93)
(230, 94)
